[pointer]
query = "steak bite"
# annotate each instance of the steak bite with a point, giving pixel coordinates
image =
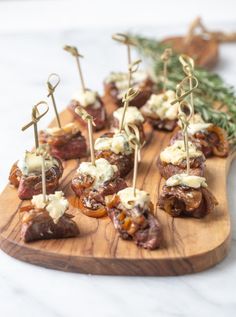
(209, 138)
(132, 116)
(132, 216)
(48, 220)
(91, 101)
(173, 160)
(26, 174)
(116, 149)
(65, 143)
(92, 183)
(116, 84)
(187, 195)
(159, 111)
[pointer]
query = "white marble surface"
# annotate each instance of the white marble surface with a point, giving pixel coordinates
(31, 37)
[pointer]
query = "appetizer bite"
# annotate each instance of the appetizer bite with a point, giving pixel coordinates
(96, 179)
(158, 110)
(65, 142)
(48, 219)
(92, 182)
(26, 175)
(132, 216)
(131, 210)
(115, 147)
(117, 83)
(86, 98)
(132, 116)
(209, 138)
(173, 160)
(187, 195)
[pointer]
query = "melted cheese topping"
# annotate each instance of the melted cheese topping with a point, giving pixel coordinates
(86, 98)
(118, 144)
(71, 128)
(186, 180)
(161, 105)
(56, 204)
(32, 163)
(132, 115)
(129, 201)
(102, 171)
(175, 153)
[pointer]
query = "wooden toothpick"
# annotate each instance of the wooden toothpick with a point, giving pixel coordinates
(134, 140)
(51, 89)
(129, 95)
(124, 39)
(188, 68)
(184, 121)
(44, 188)
(36, 116)
(74, 52)
(89, 119)
(165, 58)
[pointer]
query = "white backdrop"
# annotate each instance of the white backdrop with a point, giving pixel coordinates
(31, 36)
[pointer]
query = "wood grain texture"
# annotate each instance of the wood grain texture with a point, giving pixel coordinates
(190, 245)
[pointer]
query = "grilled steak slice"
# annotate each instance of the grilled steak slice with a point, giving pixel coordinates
(140, 226)
(66, 146)
(97, 111)
(197, 167)
(166, 124)
(185, 201)
(211, 141)
(40, 226)
(30, 185)
(112, 93)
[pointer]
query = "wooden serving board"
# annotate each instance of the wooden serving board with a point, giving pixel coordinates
(190, 245)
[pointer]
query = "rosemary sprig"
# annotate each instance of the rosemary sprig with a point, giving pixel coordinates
(211, 87)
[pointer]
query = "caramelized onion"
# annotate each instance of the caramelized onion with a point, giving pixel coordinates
(221, 149)
(94, 213)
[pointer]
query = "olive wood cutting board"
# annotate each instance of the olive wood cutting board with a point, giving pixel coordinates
(190, 245)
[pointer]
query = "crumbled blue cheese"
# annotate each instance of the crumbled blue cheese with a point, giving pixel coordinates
(118, 144)
(72, 128)
(175, 153)
(132, 115)
(32, 163)
(121, 80)
(197, 124)
(161, 105)
(129, 200)
(102, 171)
(86, 98)
(56, 204)
(186, 180)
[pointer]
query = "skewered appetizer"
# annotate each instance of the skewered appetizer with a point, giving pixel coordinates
(116, 149)
(116, 84)
(93, 182)
(173, 160)
(47, 220)
(209, 138)
(187, 195)
(132, 216)
(159, 111)
(26, 175)
(65, 143)
(91, 101)
(132, 116)
(86, 98)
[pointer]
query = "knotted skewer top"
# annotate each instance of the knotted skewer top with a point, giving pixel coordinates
(36, 116)
(51, 88)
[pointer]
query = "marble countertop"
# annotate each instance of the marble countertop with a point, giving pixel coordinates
(31, 38)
